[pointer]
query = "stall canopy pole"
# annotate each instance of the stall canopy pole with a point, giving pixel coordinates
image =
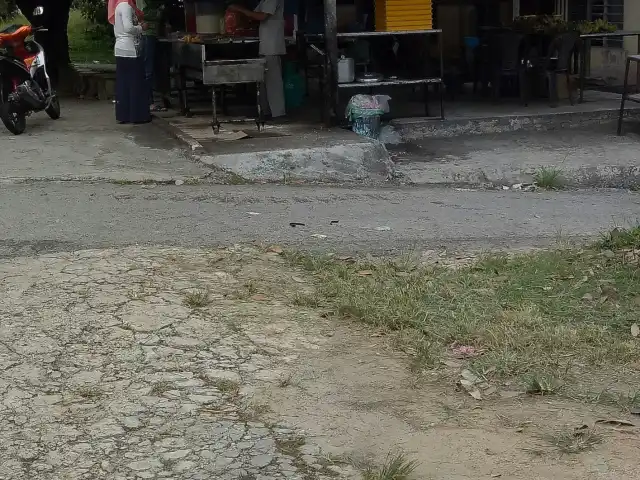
(331, 47)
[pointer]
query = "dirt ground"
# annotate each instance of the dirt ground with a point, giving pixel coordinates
(183, 363)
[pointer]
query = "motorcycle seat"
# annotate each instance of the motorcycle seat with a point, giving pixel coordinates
(15, 33)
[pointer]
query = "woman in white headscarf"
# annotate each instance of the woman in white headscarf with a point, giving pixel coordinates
(132, 95)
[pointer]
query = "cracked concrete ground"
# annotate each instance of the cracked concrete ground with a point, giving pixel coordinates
(184, 364)
(106, 373)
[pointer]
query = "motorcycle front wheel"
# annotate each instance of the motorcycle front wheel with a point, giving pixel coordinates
(14, 119)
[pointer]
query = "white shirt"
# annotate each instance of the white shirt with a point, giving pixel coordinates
(272, 28)
(127, 31)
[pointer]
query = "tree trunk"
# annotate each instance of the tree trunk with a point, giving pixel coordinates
(55, 41)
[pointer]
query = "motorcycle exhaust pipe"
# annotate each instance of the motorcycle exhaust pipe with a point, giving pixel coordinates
(28, 98)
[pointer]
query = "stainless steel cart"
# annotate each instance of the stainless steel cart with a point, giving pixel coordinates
(192, 62)
(230, 72)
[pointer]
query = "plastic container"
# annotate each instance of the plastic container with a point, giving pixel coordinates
(294, 87)
(208, 18)
(365, 115)
(367, 126)
(346, 70)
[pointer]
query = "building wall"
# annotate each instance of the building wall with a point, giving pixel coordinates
(631, 22)
(609, 63)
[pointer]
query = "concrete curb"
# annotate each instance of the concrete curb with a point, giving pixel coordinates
(124, 179)
(344, 162)
(352, 160)
(191, 143)
(604, 176)
(419, 129)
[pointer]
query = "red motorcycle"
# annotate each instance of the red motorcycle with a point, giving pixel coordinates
(25, 86)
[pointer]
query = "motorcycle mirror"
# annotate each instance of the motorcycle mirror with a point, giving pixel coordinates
(38, 11)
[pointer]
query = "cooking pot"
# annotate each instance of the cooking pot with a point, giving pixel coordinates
(370, 77)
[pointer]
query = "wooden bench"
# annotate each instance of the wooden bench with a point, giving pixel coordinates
(95, 81)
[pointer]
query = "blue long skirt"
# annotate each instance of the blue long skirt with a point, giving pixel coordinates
(132, 95)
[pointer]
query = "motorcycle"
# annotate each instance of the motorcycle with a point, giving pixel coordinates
(25, 86)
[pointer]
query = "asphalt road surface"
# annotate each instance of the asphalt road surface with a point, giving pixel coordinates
(51, 216)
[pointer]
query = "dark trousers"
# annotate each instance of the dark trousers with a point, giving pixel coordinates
(149, 43)
(162, 75)
(132, 94)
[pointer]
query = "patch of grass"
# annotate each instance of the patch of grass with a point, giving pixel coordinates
(620, 238)
(89, 393)
(306, 300)
(228, 387)
(310, 263)
(253, 411)
(144, 181)
(542, 385)
(160, 388)
(425, 354)
(571, 442)
(625, 401)
(528, 314)
(197, 299)
(193, 181)
(396, 467)
(285, 381)
(235, 179)
(549, 178)
(290, 446)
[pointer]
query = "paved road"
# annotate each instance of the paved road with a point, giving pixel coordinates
(45, 217)
(42, 216)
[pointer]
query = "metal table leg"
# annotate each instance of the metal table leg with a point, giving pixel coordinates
(260, 117)
(638, 69)
(184, 102)
(426, 99)
(583, 67)
(214, 120)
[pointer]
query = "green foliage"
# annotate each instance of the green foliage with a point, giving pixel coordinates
(93, 10)
(7, 8)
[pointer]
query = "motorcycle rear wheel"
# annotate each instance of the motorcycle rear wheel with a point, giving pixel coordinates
(53, 110)
(15, 121)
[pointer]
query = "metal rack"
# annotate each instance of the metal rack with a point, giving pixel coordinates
(331, 77)
(398, 82)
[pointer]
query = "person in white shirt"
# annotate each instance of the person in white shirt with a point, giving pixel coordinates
(132, 96)
(270, 14)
